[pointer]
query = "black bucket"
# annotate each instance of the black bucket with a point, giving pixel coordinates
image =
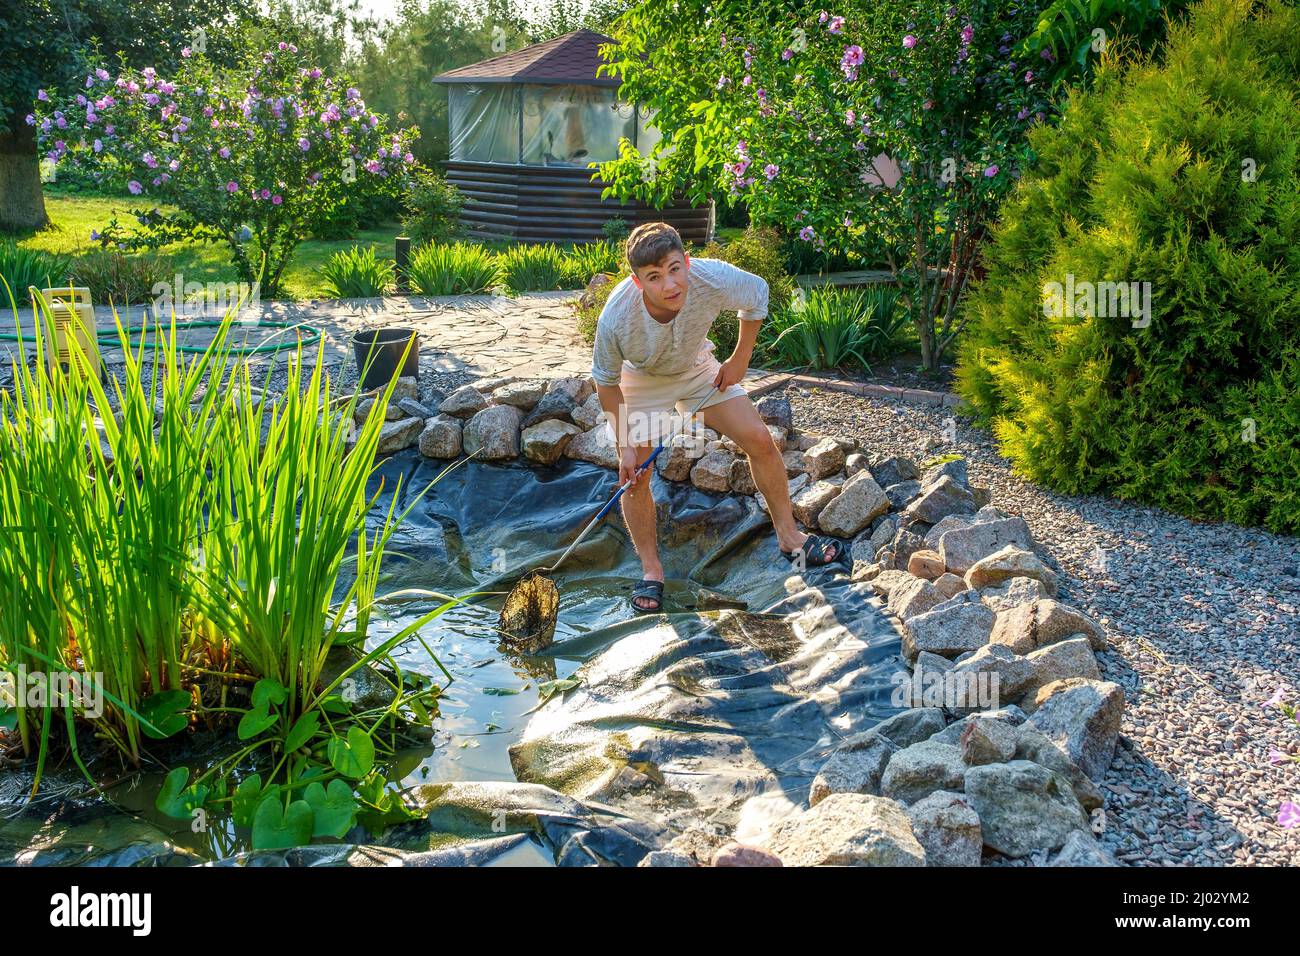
(387, 346)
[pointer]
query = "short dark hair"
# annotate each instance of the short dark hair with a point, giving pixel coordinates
(650, 242)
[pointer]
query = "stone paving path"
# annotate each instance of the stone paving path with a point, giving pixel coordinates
(531, 336)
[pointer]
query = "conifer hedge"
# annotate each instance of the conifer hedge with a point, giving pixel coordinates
(1179, 170)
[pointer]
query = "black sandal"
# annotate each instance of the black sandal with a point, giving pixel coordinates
(653, 590)
(814, 551)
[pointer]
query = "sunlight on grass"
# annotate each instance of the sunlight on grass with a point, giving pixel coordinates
(75, 216)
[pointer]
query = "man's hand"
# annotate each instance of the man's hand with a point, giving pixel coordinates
(627, 462)
(731, 372)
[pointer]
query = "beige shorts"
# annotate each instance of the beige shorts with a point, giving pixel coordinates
(655, 406)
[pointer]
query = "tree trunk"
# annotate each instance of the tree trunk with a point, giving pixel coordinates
(22, 205)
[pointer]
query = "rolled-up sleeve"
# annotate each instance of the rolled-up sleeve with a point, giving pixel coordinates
(745, 293)
(607, 355)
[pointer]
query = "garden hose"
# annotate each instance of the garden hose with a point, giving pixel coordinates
(312, 337)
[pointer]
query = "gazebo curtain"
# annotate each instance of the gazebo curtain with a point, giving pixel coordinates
(573, 125)
(561, 125)
(484, 123)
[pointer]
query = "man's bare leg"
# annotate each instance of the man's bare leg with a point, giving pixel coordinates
(639, 514)
(738, 419)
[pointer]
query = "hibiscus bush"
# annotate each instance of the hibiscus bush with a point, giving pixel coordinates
(892, 127)
(258, 156)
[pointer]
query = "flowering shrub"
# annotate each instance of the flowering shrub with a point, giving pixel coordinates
(899, 125)
(1288, 814)
(256, 156)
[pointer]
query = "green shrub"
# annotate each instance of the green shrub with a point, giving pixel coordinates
(834, 328)
(432, 209)
(115, 278)
(533, 268)
(357, 273)
(21, 267)
(582, 263)
(616, 229)
(1183, 174)
(757, 251)
(458, 268)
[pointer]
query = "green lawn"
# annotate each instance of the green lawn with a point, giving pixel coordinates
(73, 216)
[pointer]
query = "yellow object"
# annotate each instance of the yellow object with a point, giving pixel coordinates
(72, 325)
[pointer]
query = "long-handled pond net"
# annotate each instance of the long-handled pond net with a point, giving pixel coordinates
(530, 610)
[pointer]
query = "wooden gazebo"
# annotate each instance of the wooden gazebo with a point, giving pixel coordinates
(524, 126)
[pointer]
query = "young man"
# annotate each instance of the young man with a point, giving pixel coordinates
(652, 354)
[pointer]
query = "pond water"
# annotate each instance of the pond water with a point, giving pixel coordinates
(478, 528)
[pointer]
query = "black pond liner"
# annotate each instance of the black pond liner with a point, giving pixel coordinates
(717, 700)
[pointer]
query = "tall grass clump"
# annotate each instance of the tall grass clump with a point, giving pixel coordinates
(21, 267)
(583, 262)
(457, 268)
(357, 273)
(534, 268)
(834, 328)
(194, 551)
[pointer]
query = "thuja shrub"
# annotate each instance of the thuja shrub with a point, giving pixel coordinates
(1137, 332)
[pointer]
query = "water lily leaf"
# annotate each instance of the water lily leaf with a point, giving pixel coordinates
(549, 688)
(177, 800)
(304, 729)
(353, 757)
(380, 808)
(268, 691)
(166, 712)
(277, 829)
(247, 796)
(334, 808)
(256, 721)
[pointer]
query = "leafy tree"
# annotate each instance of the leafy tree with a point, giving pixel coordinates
(45, 45)
(804, 114)
(253, 156)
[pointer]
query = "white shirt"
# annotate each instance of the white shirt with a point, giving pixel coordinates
(628, 336)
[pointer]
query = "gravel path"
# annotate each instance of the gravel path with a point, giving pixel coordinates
(1204, 621)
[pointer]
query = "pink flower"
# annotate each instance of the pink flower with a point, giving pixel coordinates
(909, 41)
(967, 34)
(1029, 76)
(265, 194)
(97, 145)
(836, 25)
(304, 144)
(185, 51)
(787, 53)
(821, 17)
(134, 188)
(1275, 700)
(374, 166)
(224, 152)
(806, 233)
(990, 171)
(770, 171)
(232, 187)
(101, 73)
(852, 56)
(850, 118)
(1276, 757)
(283, 45)
(1288, 815)
(276, 200)
(42, 96)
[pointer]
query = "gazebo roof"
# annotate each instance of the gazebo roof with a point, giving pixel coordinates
(572, 58)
